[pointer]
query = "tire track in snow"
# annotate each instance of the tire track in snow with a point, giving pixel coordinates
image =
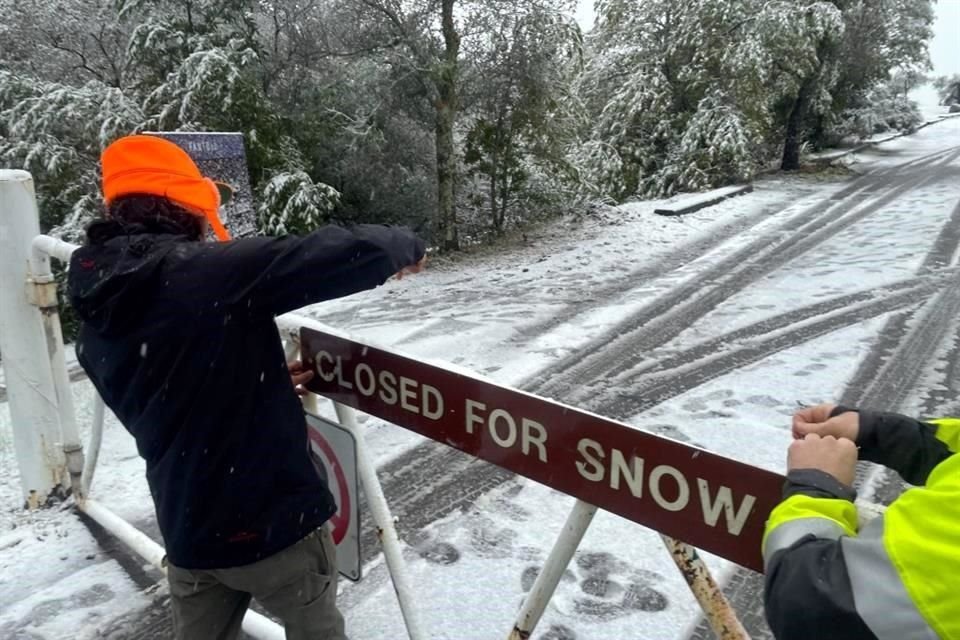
(943, 400)
(698, 365)
(668, 316)
(430, 481)
(660, 268)
(886, 377)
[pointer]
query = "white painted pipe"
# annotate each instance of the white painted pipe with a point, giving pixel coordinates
(93, 446)
(46, 247)
(380, 511)
(254, 624)
(549, 578)
(44, 291)
(138, 541)
(30, 386)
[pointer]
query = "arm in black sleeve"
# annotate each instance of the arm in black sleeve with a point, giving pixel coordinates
(277, 275)
(908, 446)
(807, 592)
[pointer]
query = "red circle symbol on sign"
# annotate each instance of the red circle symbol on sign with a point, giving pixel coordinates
(341, 519)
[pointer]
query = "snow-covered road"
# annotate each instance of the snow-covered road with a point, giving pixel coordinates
(707, 328)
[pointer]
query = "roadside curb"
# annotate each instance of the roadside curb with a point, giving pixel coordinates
(829, 160)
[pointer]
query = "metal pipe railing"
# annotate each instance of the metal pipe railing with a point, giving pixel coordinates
(44, 295)
(253, 623)
(93, 446)
(42, 291)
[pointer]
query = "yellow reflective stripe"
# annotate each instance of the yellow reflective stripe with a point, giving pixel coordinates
(842, 513)
(948, 432)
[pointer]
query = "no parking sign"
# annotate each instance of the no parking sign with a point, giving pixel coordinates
(334, 450)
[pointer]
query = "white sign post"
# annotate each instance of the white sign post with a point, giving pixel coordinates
(334, 449)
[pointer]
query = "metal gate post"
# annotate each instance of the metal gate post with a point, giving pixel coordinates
(560, 556)
(23, 345)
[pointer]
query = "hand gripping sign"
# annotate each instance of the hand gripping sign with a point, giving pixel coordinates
(334, 452)
(714, 503)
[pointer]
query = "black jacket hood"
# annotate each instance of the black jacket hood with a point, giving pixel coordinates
(107, 287)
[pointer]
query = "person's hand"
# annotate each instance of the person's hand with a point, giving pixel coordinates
(415, 268)
(836, 456)
(817, 420)
(299, 376)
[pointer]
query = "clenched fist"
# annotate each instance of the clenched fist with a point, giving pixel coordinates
(838, 457)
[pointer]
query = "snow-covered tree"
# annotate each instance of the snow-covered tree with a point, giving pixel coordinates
(949, 89)
(293, 203)
(716, 147)
(517, 96)
(57, 132)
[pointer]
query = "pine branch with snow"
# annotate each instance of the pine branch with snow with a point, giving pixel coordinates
(292, 203)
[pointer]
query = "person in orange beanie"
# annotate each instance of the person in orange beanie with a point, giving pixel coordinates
(178, 337)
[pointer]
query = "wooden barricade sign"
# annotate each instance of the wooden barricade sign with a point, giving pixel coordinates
(709, 501)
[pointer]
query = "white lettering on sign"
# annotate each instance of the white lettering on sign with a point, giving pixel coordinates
(499, 416)
(683, 494)
(502, 426)
(340, 381)
(388, 387)
(408, 392)
(585, 447)
(432, 403)
(366, 380)
(472, 418)
(618, 469)
(320, 372)
(414, 397)
(724, 500)
(634, 477)
(539, 440)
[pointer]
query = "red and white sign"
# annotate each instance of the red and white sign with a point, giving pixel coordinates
(714, 503)
(335, 448)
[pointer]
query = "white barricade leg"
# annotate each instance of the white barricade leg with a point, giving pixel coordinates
(560, 556)
(721, 616)
(31, 393)
(380, 511)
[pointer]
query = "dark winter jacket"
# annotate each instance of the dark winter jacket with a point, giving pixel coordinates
(897, 577)
(179, 339)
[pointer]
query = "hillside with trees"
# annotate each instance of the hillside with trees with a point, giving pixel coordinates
(460, 118)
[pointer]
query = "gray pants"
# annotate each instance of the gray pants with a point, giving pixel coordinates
(297, 585)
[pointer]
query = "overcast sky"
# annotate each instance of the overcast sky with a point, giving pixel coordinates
(944, 49)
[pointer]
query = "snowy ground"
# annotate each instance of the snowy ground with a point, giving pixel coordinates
(573, 289)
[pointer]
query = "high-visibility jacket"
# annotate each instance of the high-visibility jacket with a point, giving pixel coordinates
(896, 578)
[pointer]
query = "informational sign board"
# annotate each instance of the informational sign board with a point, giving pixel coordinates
(334, 449)
(222, 158)
(712, 502)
